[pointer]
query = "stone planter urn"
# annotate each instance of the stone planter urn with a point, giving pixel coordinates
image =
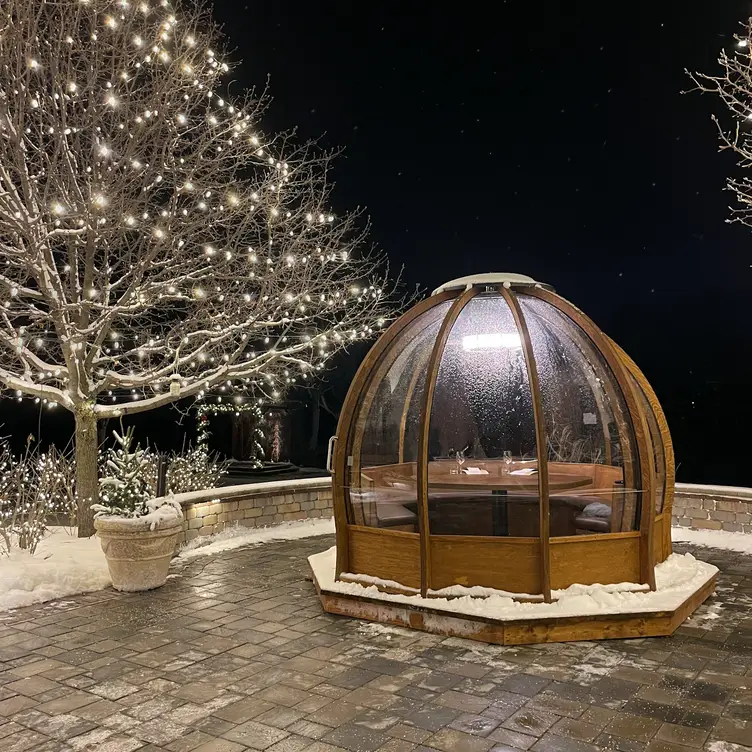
(138, 557)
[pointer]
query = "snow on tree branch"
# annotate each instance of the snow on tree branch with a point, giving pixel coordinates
(151, 233)
(733, 86)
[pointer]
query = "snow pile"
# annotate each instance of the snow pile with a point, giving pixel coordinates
(676, 579)
(373, 629)
(478, 591)
(741, 542)
(63, 565)
(367, 579)
(235, 537)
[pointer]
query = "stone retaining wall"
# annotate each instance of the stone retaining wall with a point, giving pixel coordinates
(262, 504)
(713, 508)
(255, 505)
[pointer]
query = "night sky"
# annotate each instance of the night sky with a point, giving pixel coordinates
(549, 139)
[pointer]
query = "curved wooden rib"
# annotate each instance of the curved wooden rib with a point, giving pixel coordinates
(541, 440)
(639, 421)
(432, 372)
(668, 445)
(364, 377)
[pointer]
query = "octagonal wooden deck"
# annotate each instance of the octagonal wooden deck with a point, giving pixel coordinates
(518, 632)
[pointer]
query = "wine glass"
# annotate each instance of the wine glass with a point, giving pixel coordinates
(460, 460)
(507, 459)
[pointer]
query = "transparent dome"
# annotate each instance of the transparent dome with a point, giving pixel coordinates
(495, 437)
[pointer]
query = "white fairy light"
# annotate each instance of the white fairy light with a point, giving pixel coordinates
(168, 212)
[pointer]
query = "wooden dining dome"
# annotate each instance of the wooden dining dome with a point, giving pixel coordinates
(495, 437)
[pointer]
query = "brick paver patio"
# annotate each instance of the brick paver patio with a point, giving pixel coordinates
(234, 653)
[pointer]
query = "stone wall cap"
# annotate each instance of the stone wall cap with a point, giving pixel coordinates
(698, 489)
(228, 493)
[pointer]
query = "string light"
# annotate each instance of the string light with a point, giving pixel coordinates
(207, 191)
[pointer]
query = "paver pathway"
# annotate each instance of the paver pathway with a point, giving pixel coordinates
(235, 653)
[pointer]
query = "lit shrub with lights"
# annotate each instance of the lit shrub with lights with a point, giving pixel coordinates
(36, 490)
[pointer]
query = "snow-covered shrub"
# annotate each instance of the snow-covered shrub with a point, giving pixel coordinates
(150, 467)
(195, 471)
(126, 489)
(35, 489)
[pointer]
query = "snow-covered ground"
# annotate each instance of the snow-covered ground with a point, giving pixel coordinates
(62, 565)
(676, 579)
(65, 565)
(235, 537)
(741, 542)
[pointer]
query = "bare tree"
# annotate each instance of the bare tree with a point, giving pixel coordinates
(734, 88)
(154, 242)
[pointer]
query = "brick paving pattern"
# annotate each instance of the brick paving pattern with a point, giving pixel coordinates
(234, 654)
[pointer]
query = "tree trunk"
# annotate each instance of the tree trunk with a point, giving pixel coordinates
(87, 480)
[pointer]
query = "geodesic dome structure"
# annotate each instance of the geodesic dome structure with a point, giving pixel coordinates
(495, 437)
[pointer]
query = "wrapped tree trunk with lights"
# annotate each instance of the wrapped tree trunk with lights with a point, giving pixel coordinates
(155, 243)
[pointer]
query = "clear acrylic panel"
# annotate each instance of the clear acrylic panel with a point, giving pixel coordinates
(382, 477)
(594, 477)
(659, 456)
(482, 454)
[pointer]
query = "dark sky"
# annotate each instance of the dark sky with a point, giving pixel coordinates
(544, 138)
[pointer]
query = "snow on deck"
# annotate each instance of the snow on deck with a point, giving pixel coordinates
(677, 578)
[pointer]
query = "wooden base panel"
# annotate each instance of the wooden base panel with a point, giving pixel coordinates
(561, 629)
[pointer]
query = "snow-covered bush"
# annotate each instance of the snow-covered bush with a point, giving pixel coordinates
(35, 489)
(125, 485)
(126, 490)
(195, 471)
